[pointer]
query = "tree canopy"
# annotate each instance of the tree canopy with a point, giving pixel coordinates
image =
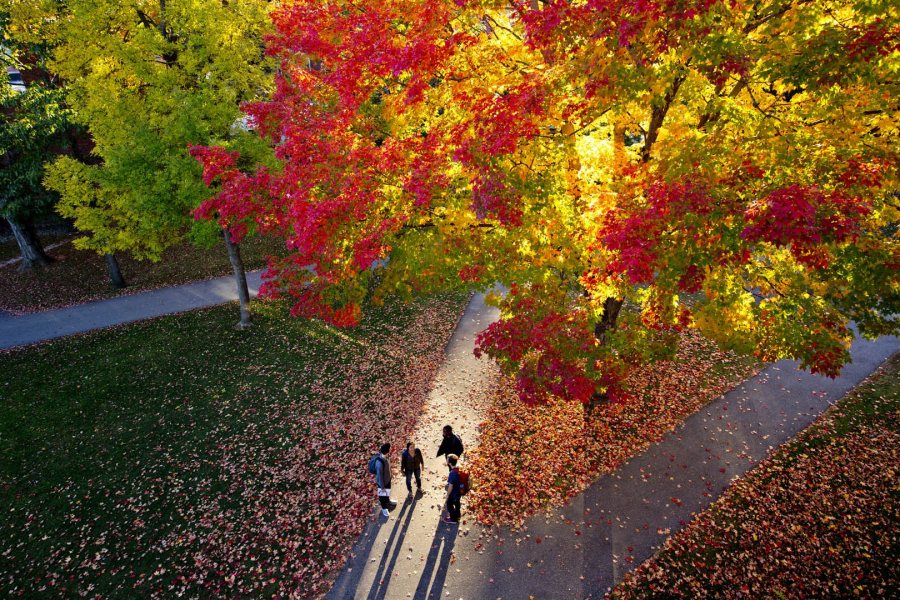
(149, 78)
(36, 124)
(624, 168)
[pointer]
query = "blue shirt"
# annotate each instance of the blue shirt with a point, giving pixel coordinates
(454, 480)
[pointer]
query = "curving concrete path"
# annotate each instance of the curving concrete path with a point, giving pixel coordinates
(621, 520)
(51, 324)
(584, 548)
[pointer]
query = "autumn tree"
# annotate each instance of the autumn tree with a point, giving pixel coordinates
(148, 79)
(623, 168)
(35, 124)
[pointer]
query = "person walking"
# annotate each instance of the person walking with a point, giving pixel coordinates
(451, 444)
(383, 479)
(454, 491)
(411, 463)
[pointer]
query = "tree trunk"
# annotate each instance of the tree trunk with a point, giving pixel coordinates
(33, 254)
(234, 255)
(162, 18)
(115, 274)
(611, 308)
(607, 321)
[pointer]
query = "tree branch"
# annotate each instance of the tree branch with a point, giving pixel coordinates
(712, 116)
(145, 20)
(658, 115)
(499, 26)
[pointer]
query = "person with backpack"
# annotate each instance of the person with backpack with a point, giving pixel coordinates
(411, 463)
(451, 444)
(457, 485)
(380, 466)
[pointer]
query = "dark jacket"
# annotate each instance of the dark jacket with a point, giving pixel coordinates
(451, 445)
(411, 464)
(383, 472)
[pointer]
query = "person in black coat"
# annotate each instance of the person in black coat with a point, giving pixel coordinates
(451, 444)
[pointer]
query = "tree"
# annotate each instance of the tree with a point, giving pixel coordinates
(624, 168)
(148, 79)
(33, 123)
(36, 127)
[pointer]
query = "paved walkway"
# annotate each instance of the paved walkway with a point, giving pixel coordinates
(51, 324)
(408, 554)
(583, 549)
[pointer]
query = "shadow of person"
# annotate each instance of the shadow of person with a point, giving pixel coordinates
(349, 581)
(392, 550)
(434, 574)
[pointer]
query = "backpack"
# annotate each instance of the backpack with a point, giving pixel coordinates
(464, 484)
(462, 447)
(372, 462)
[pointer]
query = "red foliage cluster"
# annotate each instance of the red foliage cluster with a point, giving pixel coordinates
(636, 233)
(217, 162)
(491, 197)
(873, 40)
(234, 205)
(864, 173)
(332, 222)
(803, 217)
(505, 120)
(622, 20)
(550, 352)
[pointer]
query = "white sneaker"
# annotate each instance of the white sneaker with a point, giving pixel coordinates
(385, 512)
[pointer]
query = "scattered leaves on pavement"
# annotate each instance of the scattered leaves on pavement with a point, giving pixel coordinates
(532, 458)
(817, 519)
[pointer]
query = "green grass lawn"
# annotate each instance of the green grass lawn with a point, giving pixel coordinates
(817, 519)
(78, 276)
(182, 455)
(9, 250)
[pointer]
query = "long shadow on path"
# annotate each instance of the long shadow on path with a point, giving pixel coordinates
(427, 584)
(431, 583)
(348, 585)
(391, 552)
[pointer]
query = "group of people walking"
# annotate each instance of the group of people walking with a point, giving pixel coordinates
(412, 463)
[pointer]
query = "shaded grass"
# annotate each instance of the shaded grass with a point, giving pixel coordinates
(8, 250)
(135, 450)
(78, 276)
